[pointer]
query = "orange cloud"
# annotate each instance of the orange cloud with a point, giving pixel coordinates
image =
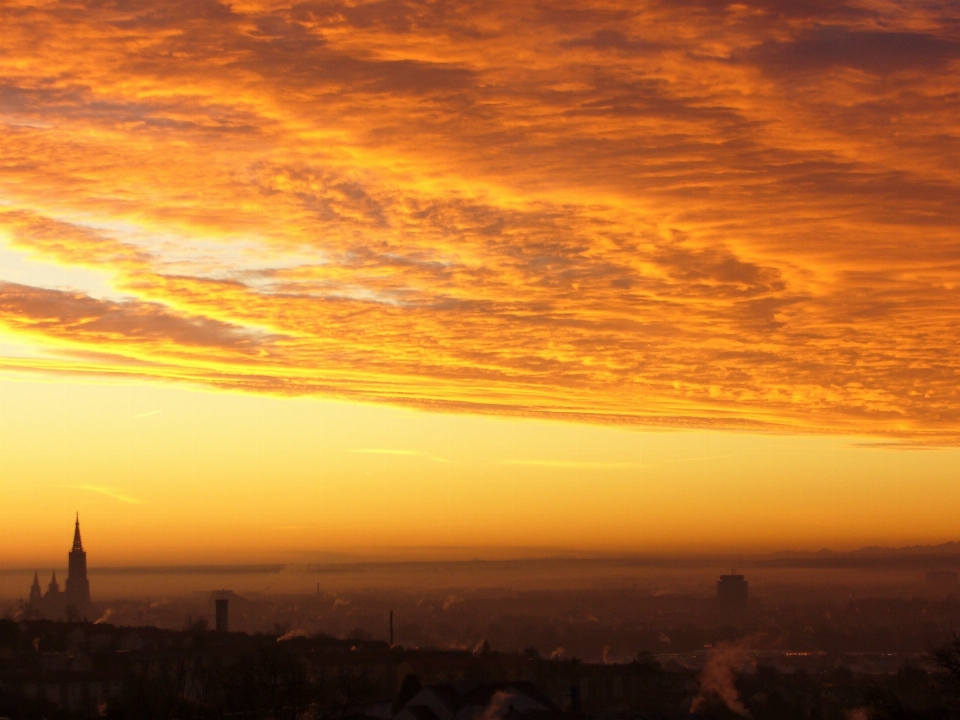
(697, 215)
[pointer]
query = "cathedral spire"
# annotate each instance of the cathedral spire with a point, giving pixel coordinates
(77, 544)
(78, 586)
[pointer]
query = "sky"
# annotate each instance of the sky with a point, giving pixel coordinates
(424, 277)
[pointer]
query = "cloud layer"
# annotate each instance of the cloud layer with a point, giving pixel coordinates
(682, 215)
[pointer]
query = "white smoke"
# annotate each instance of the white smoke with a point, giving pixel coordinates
(450, 601)
(718, 677)
(481, 648)
(498, 706)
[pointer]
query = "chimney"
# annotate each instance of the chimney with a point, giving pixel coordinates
(221, 604)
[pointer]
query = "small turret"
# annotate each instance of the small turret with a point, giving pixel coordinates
(53, 589)
(36, 594)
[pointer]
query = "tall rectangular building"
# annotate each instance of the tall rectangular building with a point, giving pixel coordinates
(732, 594)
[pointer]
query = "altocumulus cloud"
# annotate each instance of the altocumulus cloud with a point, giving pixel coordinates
(680, 215)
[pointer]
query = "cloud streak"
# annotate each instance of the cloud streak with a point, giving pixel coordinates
(408, 453)
(385, 451)
(686, 216)
(110, 492)
(574, 464)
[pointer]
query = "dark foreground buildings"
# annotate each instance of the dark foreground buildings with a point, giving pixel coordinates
(73, 602)
(80, 669)
(60, 670)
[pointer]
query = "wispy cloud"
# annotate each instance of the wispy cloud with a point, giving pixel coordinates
(151, 413)
(654, 214)
(606, 465)
(386, 451)
(575, 464)
(110, 492)
(695, 458)
(408, 453)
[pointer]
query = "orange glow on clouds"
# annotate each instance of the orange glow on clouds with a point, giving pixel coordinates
(697, 215)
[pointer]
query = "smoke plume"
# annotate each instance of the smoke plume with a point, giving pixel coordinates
(718, 677)
(498, 706)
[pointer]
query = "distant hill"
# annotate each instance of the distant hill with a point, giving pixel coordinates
(944, 554)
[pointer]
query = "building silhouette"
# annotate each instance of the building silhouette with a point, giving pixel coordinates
(77, 590)
(732, 592)
(36, 594)
(73, 602)
(222, 608)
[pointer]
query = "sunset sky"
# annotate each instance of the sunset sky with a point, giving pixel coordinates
(411, 278)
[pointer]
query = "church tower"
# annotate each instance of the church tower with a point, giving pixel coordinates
(77, 590)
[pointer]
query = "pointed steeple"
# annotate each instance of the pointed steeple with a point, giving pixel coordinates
(77, 544)
(54, 587)
(35, 592)
(78, 586)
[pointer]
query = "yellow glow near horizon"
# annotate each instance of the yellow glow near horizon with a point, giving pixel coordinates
(168, 475)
